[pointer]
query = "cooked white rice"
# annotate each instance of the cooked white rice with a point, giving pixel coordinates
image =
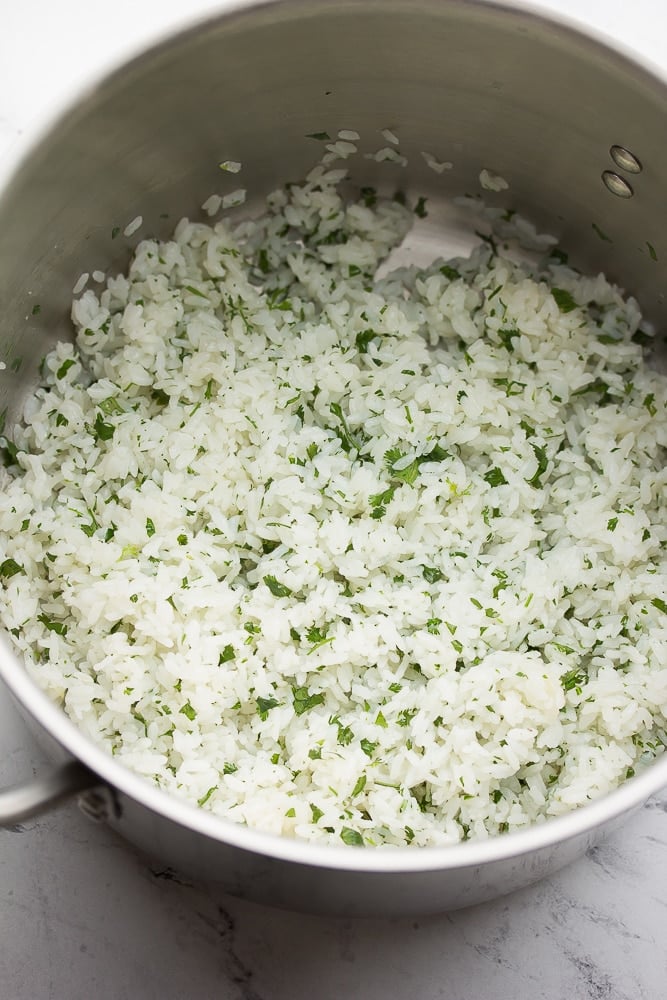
(340, 557)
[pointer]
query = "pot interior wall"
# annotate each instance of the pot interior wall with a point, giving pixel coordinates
(471, 84)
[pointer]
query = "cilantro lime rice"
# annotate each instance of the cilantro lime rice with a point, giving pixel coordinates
(348, 558)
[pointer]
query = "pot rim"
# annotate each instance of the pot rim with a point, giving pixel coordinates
(548, 833)
(581, 821)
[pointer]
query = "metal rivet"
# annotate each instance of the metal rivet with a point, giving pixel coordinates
(626, 160)
(615, 183)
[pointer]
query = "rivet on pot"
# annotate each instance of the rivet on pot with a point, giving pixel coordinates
(626, 160)
(615, 183)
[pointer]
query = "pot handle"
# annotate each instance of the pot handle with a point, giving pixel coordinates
(31, 798)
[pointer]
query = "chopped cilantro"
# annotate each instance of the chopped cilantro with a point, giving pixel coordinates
(159, 396)
(188, 711)
(574, 679)
(363, 339)
(406, 715)
(359, 786)
(264, 706)
(150, 527)
(303, 700)
(649, 404)
(351, 837)
(563, 300)
(277, 589)
(542, 462)
(204, 799)
(432, 574)
(506, 337)
(226, 655)
(195, 291)
(103, 430)
(347, 439)
(495, 477)
(450, 272)
(9, 567)
(65, 367)
(53, 626)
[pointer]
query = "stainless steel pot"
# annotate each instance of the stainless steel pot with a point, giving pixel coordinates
(480, 84)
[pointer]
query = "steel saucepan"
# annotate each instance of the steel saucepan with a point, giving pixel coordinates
(485, 85)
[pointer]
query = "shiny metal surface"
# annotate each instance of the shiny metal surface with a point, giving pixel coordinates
(617, 184)
(47, 791)
(625, 160)
(482, 85)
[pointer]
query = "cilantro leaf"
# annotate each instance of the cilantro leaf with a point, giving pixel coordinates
(542, 462)
(277, 588)
(264, 706)
(303, 701)
(495, 477)
(9, 567)
(563, 300)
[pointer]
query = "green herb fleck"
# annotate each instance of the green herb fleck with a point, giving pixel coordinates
(574, 679)
(495, 477)
(226, 655)
(9, 567)
(542, 462)
(649, 404)
(150, 527)
(450, 272)
(303, 701)
(204, 799)
(65, 367)
(53, 626)
(363, 339)
(432, 574)
(264, 706)
(359, 786)
(188, 711)
(277, 589)
(103, 430)
(351, 837)
(563, 300)
(506, 337)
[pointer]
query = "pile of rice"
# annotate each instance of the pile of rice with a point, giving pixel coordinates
(379, 560)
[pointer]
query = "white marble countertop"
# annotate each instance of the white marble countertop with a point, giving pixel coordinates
(83, 916)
